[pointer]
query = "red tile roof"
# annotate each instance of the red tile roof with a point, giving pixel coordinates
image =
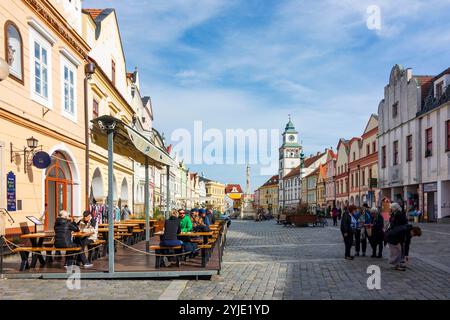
(294, 172)
(272, 181)
(230, 187)
(94, 13)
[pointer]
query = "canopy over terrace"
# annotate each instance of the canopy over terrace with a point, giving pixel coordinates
(117, 137)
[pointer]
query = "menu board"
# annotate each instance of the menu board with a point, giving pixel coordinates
(11, 191)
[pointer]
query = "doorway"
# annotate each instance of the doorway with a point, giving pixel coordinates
(58, 189)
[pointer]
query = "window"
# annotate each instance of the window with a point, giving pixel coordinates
(14, 51)
(95, 111)
(354, 156)
(395, 147)
(113, 72)
(409, 148)
(374, 147)
(439, 89)
(68, 88)
(40, 58)
(383, 157)
(368, 149)
(448, 135)
(395, 110)
(363, 178)
(429, 142)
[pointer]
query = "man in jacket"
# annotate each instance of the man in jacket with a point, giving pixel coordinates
(399, 240)
(348, 226)
(377, 230)
(186, 226)
(64, 227)
(87, 225)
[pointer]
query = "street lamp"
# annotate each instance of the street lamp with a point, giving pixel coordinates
(4, 69)
(32, 144)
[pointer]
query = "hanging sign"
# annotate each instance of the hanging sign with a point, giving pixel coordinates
(11, 191)
(41, 160)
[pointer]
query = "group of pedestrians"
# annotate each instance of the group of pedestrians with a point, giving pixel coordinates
(360, 226)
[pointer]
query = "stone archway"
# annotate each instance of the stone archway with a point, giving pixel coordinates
(124, 192)
(97, 186)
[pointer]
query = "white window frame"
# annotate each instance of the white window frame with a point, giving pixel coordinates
(36, 37)
(65, 63)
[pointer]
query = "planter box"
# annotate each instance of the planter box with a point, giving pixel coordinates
(159, 226)
(302, 220)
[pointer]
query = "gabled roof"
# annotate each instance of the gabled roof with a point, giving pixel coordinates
(272, 181)
(94, 13)
(310, 161)
(229, 188)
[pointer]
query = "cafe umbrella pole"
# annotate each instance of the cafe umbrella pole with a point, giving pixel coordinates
(108, 124)
(147, 207)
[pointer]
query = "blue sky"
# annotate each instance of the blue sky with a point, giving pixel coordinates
(248, 64)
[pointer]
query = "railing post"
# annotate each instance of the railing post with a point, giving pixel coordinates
(1, 256)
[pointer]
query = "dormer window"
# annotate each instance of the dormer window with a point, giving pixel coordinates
(439, 89)
(395, 110)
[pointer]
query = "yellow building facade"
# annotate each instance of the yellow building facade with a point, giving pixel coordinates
(109, 93)
(215, 194)
(268, 195)
(41, 99)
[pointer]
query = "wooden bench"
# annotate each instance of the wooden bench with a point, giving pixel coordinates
(94, 249)
(159, 249)
(25, 253)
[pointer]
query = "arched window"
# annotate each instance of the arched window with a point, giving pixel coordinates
(14, 51)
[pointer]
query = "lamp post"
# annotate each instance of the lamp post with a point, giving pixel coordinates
(32, 144)
(302, 164)
(89, 70)
(359, 185)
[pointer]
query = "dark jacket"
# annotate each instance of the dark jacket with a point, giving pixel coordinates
(378, 227)
(63, 233)
(171, 229)
(400, 235)
(346, 223)
(398, 218)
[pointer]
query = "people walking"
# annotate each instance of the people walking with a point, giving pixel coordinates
(399, 240)
(334, 215)
(360, 237)
(348, 226)
(376, 233)
(125, 214)
(398, 216)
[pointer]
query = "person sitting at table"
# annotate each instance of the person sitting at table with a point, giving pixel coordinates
(211, 216)
(186, 226)
(64, 226)
(196, 220)
(171, 230)
(87, 224)
(204, 218)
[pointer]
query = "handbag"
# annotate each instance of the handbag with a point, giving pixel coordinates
(369, 231)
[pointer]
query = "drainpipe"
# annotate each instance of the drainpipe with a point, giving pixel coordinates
(89, 70)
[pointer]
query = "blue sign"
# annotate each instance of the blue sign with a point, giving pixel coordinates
(11, 191)
(41, 160)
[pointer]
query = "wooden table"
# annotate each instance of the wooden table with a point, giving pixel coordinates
(37, 241)
(205, 236)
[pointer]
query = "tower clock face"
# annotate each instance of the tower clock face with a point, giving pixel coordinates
(291, 138)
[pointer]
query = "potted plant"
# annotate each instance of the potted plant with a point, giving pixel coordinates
(160, 219)
(301, 216)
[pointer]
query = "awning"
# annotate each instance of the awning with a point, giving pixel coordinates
(130, 143)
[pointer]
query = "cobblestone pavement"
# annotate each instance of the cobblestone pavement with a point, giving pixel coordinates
(268, 261)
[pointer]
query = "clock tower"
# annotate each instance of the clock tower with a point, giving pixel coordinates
(289, 151)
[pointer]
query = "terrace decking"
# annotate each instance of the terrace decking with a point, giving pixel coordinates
(128, 264)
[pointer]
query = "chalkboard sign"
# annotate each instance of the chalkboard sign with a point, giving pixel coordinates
(11, 191)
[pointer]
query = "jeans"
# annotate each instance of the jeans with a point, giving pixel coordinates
(348, 241)
(83, 243)
(335, 220)
(360, 239)
(171, 243)
(374, 243)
